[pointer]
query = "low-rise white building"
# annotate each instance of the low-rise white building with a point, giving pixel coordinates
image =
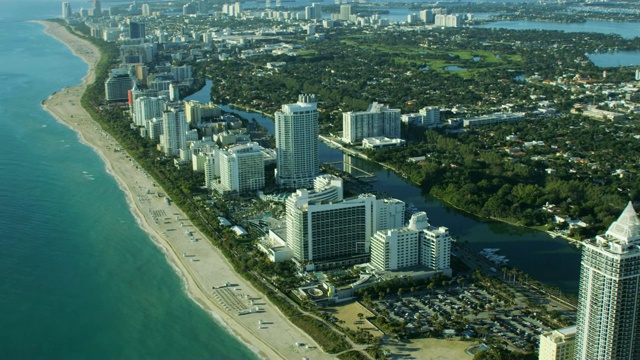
(598, 114)
(558, 344)
(428, 116)
(495, 118)
(381, 142)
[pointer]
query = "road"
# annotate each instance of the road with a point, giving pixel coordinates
(357, 347)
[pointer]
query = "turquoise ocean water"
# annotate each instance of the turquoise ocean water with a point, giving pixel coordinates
(78, 278)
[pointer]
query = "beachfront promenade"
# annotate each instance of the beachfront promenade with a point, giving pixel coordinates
(202, 267)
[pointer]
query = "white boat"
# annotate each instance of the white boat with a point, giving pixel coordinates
(490, 254)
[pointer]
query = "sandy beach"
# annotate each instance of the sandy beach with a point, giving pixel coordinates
(202, 267)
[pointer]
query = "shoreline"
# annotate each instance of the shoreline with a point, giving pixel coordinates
(202, 266)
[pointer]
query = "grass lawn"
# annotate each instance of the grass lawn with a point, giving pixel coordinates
(349, 314)
(437, 59)
(426, 349)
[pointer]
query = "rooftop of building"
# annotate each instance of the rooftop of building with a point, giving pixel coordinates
(627, 227)
(623, 235)
(374, 107)
(561, 335)
(569, 330)
(416, 272)
(382, 140)
(251, 147)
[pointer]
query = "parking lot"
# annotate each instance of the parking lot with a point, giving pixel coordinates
(465, 311)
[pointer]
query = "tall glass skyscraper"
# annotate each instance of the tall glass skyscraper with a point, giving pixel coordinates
(297, 143)
(608, 325)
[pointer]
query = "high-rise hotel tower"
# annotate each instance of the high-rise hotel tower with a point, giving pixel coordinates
(608, 325)
(66, 10)
(297, 143)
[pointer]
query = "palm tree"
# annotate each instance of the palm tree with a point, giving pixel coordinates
(513, 272)
(483, 331)
(435, 318)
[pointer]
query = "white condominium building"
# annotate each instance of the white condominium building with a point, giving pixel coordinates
(417, 244)
(196, 111)
(146, 108)
(389, 213)
(154, 128)
(146, 10)
(297, 143)
(427, 16)
(428, 116)
(193, 112)
(378, 120)
(174, 130)
(211, 171)
(495, 118)
(200, 150)
(608, 320)
(558, 344)
(395, 249)
(451, 20)
(345, 12)
(198, 161)
(313, 12)
(182, 73)
(234, 9)
(241, 168)
(435, 248)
